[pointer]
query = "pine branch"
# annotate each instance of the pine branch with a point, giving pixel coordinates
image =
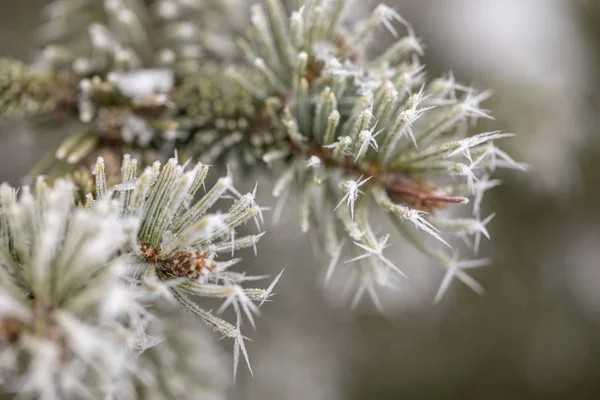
(69, 318)
(25, 92)
(179, 242)
(359, 126)
(344, 130)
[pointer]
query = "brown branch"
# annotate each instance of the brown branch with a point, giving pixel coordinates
(424, 196)
(418, 193)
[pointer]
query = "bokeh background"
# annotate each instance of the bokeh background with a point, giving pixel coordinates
(535, 334)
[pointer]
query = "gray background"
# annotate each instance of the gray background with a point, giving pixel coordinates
(535, 334)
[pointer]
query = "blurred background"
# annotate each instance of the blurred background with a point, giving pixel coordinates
(535, 334)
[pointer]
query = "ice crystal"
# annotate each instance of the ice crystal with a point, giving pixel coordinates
(373, 121)
(69, 320)
(346, 129)
(180, 242)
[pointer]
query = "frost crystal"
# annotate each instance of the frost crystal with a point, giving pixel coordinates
(180, 242)
(68, 312)
(343, 128)
(376, 128)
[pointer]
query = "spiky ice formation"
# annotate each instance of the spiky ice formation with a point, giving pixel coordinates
(179, 242)
(185, 365)
(70, 322)
(367, 128)
(340, 124)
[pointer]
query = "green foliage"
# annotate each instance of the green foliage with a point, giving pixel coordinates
(346, 130)
(361, 127)
(178, 241)
(69, 318)
(95, 38)
(222, 122)
(26, 92)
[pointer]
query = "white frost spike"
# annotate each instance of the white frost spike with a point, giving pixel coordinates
(414, 216)
(462, 226)
(333, 263)
(352, 190)
(412, 114)
(313, 161)
(386, 15)
(237, 346)
(401, 48)
(269, 291)
(456, 269)
(248, 201)
(366, 284)
(483, 231)
(497, 158)
(237, 299)
(366, 139)
(237, 244)
(471, 107)
(413, 40)
(479, 188)
(377, 251)
(461, 169)
(125, 187)
(470, 142)
(340, 148)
